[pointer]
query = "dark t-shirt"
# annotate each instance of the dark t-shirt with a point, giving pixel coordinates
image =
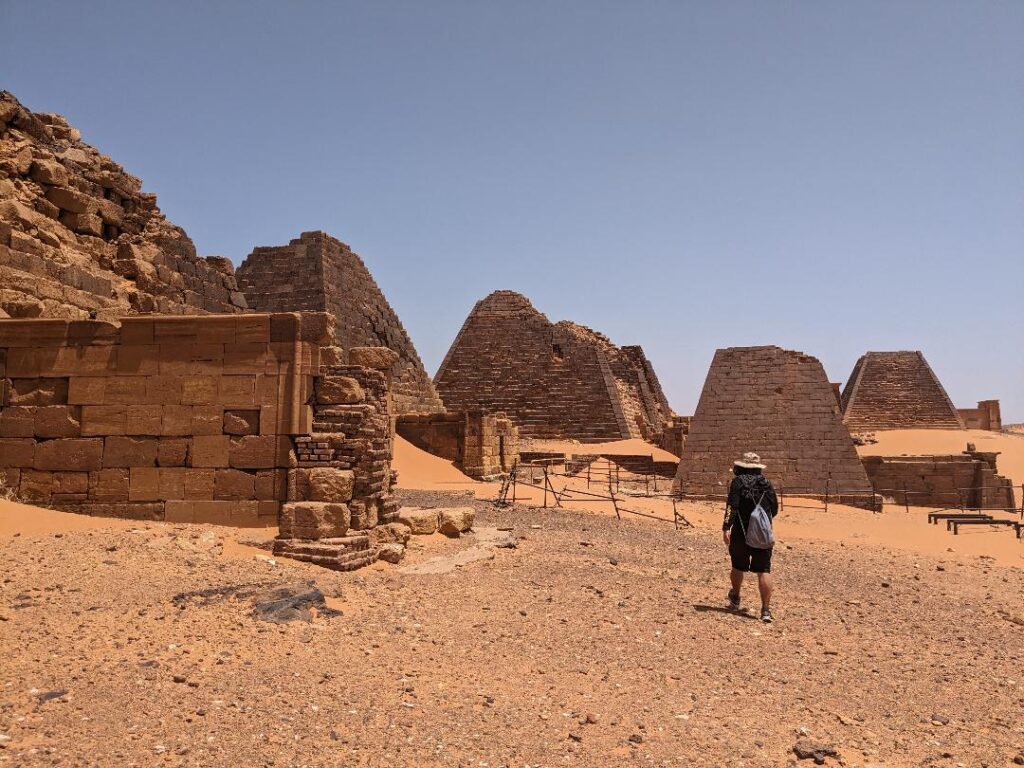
(744, 493)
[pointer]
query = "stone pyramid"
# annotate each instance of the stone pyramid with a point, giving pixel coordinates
(555, 380)
(780, 405)
(317, 272)
(896, 390)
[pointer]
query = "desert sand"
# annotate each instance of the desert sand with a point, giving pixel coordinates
(595, 641)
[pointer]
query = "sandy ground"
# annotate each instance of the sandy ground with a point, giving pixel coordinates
(914, 442)
(595, 642)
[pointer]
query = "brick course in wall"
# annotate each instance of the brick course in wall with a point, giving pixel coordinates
(316, 272)
(79, 238)
(780, 405)
(552, 379)
(896, 390)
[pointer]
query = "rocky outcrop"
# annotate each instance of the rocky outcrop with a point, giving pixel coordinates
(79, 238)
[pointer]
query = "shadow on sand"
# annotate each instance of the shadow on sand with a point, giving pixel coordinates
(699, 608)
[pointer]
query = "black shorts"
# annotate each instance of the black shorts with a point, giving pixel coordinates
(746, 558)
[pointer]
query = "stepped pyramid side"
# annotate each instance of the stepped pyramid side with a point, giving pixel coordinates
(555, 380)
(780, 405)
(896, 390)
(79, 238)
(320, 273)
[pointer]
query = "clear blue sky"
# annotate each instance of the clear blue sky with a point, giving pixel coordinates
(832, 177)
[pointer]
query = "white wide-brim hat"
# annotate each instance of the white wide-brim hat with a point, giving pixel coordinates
(749, 461)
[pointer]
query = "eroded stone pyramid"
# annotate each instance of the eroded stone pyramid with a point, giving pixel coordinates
(555, 380)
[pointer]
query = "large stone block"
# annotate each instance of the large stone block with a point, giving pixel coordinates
(210, 450)
(57, 421)
(339, 390)
(421, 522)
(70, 454)
(234, 484)
(378, 358)
(313, 520)
(454, 521)
(109, 485)
(123, 451)
(322, 484)
(260, 452)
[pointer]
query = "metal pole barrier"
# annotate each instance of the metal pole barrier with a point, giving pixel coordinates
(828, 481)
(545, 486)
(906, 498)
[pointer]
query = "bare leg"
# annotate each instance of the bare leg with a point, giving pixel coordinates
(736, 577)
(766, 586)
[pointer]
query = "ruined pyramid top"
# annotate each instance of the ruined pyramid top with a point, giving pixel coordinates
(79, 237)
(896, 390)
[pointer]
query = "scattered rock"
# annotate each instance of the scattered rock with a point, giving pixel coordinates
(454, 521)
(290, 602)
(421, 522)
(391, 553)
(51, 695)
(939, 720)
(814, 750)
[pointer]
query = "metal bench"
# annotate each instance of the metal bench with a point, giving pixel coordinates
(934, 517)
(994, 521)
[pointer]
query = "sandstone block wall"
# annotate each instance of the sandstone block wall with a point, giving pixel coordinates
(319, 273)
(896, 390)
(986, 416)
(79, 238)
(162, 418)
(780, 405)
(483, 446)
(942, 481)
(553, 379)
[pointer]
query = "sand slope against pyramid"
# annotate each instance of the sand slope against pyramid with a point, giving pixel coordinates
(896, 390)
(317, 272)
(559, 380)
(780, 405)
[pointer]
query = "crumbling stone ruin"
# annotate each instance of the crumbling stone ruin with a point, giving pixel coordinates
(780, 405)
(673, 436)
(554, 380)
(484, 446)
(79, 238)
(316, 272)
(896, 390)
(969, 479)
(235, 419)
(986, 416)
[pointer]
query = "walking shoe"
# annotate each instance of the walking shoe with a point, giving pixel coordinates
(734, 600)
(766, 616)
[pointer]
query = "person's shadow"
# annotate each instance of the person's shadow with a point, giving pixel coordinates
(700, 608)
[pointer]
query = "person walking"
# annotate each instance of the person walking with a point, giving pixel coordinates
(749, 490)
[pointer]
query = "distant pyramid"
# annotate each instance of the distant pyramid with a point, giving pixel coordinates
(317, 272)
(896, 390)
(780, 405)
(557, 380)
